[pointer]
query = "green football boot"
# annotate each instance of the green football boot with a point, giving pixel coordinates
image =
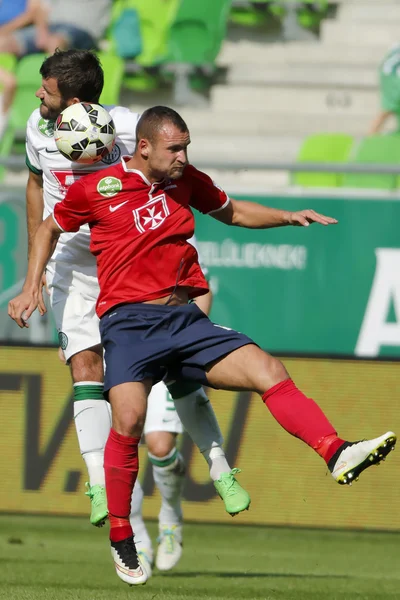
(235, 498)
(98, 500)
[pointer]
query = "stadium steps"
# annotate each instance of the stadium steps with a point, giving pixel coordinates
(299, 75)
(270, 123)
(359, 34)
(307, 54)
(378, 12)
(234, 148)
(286, 100)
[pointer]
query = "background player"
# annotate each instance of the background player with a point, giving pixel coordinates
(69, 77)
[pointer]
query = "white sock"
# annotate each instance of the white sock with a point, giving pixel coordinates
(198, 418)
(92, 417)
(142, 538)
(169, 477)
(217, 462)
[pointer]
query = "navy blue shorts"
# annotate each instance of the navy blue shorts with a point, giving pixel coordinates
(156, 341)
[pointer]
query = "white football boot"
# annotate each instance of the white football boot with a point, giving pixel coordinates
(126, 562)
(354, 457)
(170, 547)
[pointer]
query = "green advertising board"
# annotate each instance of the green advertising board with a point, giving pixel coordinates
(318, 289)
(331, 290)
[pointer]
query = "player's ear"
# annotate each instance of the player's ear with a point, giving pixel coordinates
(73, 101)
(144, 147)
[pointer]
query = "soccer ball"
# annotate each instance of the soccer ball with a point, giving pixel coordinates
(84, 132)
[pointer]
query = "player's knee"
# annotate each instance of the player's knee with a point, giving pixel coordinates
(128, 423)
(160, 444)
(274, 372)
(278, 372)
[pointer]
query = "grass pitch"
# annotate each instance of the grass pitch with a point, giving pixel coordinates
(48, 558)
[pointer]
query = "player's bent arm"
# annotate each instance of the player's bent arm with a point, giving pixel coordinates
(251, 215)
(21, 307)
(34, 206)
(204, 302)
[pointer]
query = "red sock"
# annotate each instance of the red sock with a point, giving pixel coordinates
(302, 417)
(121, 465)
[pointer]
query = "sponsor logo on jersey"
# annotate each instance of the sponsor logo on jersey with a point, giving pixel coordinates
(112, 156)
(109, 186)
(62, 340)
(45, 127)
(152, 214)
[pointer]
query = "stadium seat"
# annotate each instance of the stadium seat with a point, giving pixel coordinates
(25, 102)
(114, 68)
(155, 19)
(7, 61)
(311, 12)
(322, 148)
(378, 149)
(256, 13)
(197, 32)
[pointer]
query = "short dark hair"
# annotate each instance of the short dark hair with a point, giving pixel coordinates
(78, 73)
(153, 119)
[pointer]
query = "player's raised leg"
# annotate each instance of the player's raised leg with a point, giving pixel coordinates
(121, 465)
(198, 418)
(250, 368)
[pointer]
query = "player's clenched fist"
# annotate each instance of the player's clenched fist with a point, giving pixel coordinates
(22, 306)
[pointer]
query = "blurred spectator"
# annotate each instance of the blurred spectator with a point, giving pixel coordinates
(59, 24)
(389, 83)
(31, 26)
(14, 15)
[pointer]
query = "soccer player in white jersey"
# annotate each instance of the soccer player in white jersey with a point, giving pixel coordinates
(68, 77)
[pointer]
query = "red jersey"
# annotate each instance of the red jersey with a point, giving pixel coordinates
(139, 231)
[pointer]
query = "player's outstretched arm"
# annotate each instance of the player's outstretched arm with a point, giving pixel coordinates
(22, 306)
(241, 213)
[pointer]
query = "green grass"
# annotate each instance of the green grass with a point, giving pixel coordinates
(48, 558)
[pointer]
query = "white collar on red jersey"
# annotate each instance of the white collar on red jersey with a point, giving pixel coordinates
(124, 160)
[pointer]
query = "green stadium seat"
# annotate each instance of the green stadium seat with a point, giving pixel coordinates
(7, 61)
(323, 147)
(257, 12)
(25, 102)
(155, 19)
(378, 149)
(28, 82)
(114, 68)
(197, 32)
(311, 12)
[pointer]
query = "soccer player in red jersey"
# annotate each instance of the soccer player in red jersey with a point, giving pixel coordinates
(140, 216)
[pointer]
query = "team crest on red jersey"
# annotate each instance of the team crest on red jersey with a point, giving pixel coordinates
(152, 214)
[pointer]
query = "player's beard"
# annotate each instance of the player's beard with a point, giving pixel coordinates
(51, 113)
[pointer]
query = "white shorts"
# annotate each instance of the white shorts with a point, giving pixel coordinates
(161, 413)
(73, 297)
